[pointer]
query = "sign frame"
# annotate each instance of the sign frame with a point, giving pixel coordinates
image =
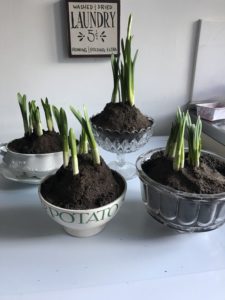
(93, 3)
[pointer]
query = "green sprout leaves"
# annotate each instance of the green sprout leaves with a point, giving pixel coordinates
(194, 141)
(175, 144)
(35, 119)
(178, 162)
(86, 126)
(69, 139)
(127, 67)
(61, 120)
(173, 137)
(83, 143)
(123, 72)
(31, 116)
(48, 114)
(115, 71)
(23, 107)
(73, 148)
(56, 114)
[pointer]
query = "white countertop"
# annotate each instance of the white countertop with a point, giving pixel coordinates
(134, 257)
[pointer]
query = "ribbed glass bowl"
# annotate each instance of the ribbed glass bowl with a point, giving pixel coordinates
(122, 142)
(180, 210)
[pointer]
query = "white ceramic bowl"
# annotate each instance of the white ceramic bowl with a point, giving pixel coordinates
(88, 222)
(31, 165)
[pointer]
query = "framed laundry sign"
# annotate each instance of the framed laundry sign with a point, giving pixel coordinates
(93, 27)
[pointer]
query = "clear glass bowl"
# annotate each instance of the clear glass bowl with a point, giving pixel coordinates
(121, 142)
(180, 210)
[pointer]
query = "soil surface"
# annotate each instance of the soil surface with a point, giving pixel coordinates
(209, 178)
(121, 117)
(93, 187)
(47, 143)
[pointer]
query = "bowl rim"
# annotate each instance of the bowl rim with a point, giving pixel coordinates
(122, 196)
(7, 150)
(194, 196)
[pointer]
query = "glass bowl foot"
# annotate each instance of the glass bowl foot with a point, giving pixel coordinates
(127, 169)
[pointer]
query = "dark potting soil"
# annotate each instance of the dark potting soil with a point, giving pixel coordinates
(209, 178)
(93, 187)
(47, 143)
(121, 117)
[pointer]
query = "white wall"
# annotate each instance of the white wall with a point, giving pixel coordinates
(33, 57)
